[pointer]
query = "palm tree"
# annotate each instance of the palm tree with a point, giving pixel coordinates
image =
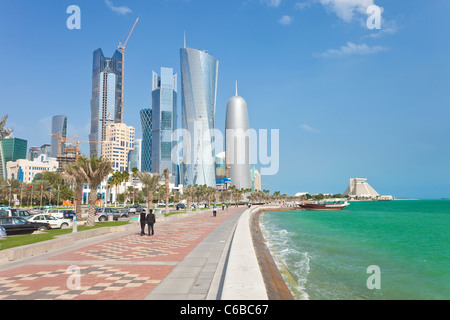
(134, 174)
(115, 180)
(125, 176)
(167, 190)
(4, 132)
(210, 194)
(73, 175)
(150, 181)
(93, 171)
(190, 192)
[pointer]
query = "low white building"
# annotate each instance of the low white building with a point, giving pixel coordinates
(25, 170)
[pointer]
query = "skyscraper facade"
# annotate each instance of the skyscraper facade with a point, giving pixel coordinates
(12, 149)
(237, 142)
(199, 73)
(59, 128)
(117, 145)
(106, 96)
(135, 157)
(164, 121)
(146, 121)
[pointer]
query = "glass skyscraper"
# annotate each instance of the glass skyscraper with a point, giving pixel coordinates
(12, 149)
(106, 96)
(199, 73)
(135, 156)
(146, 121)
(164, 121)
(59, 127)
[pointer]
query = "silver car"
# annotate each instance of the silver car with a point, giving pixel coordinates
(2, 232)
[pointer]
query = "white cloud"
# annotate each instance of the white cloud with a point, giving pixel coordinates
(388, 28)
(272, 3)
(346, 9)
(307, 128)
(286, 20)
(120, 10)
(303, 5)
(351, 49)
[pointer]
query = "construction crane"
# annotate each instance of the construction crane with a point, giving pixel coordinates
(61, 139)
(77, 142)
(122, 47)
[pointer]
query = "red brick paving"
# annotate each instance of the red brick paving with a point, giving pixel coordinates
(126, 267)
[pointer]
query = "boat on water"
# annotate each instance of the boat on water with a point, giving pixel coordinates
(324, 205)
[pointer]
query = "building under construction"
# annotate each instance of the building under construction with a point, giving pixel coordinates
(69, 155)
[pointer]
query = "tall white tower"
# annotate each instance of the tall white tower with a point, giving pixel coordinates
(238, 142)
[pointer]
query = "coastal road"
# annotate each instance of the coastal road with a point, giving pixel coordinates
(181, 261)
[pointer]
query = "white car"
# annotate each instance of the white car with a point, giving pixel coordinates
(54, 212)
(53, 221)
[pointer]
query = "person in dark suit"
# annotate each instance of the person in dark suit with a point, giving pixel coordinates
(143, 221)
(151, 220)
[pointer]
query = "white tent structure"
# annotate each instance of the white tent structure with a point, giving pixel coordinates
(359, 188)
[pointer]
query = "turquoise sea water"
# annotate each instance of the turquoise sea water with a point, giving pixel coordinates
(328, 253)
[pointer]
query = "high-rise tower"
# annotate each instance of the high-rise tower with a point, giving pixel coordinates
(164, 121)
(106, 96)
(199, 73)
(146, 153)
(238, 142)
(59, 128)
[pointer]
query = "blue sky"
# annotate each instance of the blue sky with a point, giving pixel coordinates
(348, 101)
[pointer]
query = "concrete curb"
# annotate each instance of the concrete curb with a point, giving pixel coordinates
(243, 279)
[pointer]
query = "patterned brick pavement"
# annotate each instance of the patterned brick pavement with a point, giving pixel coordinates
(126, 267)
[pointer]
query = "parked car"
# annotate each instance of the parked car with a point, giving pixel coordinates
(35, 210)
(104, 213)
(3, 207)
(2, 232)
(15, 213)
(58, 214)
(68, 214)
(135, 209)
(16, 225)
(54, 222)
(181, 206)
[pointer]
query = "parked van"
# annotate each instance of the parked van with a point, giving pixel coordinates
(14, 213)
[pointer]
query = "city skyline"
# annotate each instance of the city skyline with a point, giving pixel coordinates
(353, 102)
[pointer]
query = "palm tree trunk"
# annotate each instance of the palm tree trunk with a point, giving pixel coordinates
(150, 200)
(78, 199)
(91, 216)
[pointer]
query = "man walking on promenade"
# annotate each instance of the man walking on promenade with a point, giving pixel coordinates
(151, 220)
(142, 220)
(214, 210)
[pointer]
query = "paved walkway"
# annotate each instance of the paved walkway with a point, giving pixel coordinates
(182, 260)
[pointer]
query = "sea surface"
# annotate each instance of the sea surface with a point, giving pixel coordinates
(395, 250)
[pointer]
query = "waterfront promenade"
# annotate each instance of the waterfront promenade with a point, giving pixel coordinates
(190, 257)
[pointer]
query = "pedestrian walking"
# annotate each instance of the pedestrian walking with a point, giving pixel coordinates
(151, 220)
(143, 221)
(214, 210)
(223, 206)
